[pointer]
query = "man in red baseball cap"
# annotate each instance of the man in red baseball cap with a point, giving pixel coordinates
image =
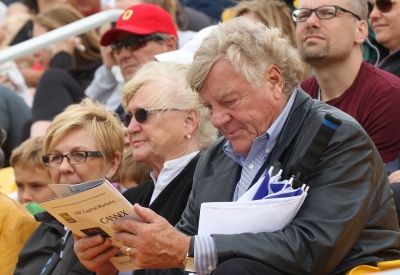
(141, 32)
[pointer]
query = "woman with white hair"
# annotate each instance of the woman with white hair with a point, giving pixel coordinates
(167, 128)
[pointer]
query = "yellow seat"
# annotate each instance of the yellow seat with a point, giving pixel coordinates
(16, 226)
(388, 265)
(7, 181)
(363, 269)
(368, 269)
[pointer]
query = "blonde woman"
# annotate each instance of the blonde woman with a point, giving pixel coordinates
(83, 143)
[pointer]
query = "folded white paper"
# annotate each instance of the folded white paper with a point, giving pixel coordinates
(265, 215)
(275, 211)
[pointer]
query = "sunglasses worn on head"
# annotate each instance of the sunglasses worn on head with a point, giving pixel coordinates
(141, 115)
(381, 5)
(135, 42)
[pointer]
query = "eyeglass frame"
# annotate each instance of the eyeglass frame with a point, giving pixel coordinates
(91, 154)
(127, 117)
(135, 42)
(385, 6)
(336, 8)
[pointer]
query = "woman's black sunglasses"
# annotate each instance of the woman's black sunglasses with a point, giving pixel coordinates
(141, 115)
(381, 5)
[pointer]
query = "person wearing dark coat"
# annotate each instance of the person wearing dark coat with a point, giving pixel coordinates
(167, 128)
(348, 217)
(50, 249)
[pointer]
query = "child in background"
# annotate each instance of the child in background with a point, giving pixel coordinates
(16, 225)
(131, 173)
(31, 175)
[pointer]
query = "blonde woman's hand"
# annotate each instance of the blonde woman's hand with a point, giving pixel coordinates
(152, 242)
(94, 253)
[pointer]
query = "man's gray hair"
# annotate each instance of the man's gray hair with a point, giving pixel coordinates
(251, 48)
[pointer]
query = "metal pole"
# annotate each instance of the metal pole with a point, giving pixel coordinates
(73, 29)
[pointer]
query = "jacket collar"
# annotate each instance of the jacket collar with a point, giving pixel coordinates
(301, 106)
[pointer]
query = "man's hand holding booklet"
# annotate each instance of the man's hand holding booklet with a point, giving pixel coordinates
(89, 209)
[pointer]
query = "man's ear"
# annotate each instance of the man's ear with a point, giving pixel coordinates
(171, 42)
(274, 81)
(361, 31)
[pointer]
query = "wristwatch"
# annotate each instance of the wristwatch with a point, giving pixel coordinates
(188, 263)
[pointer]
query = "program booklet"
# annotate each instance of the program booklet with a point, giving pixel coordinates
(89, 209)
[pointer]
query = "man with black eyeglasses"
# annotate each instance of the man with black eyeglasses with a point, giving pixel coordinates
(140, 33)
(329, 36)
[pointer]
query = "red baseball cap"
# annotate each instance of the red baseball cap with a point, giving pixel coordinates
(141, 19)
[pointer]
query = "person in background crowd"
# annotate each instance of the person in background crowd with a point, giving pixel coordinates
(28, 65)
(329, 38)
(190, 19)
(71, 63)
(272, 13)
(385, 21)
(186, 18)
(14, 119)
(31, 175)
(105, 86)
(83, 143)
(167, 128)
(11, 22)
(10, 74)
(39, 6)
(86, 7)
(132, 173)
(141, 32)
(211, 8)
(348, 217)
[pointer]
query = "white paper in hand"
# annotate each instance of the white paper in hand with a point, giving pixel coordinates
(248, 216)
(252, 216)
